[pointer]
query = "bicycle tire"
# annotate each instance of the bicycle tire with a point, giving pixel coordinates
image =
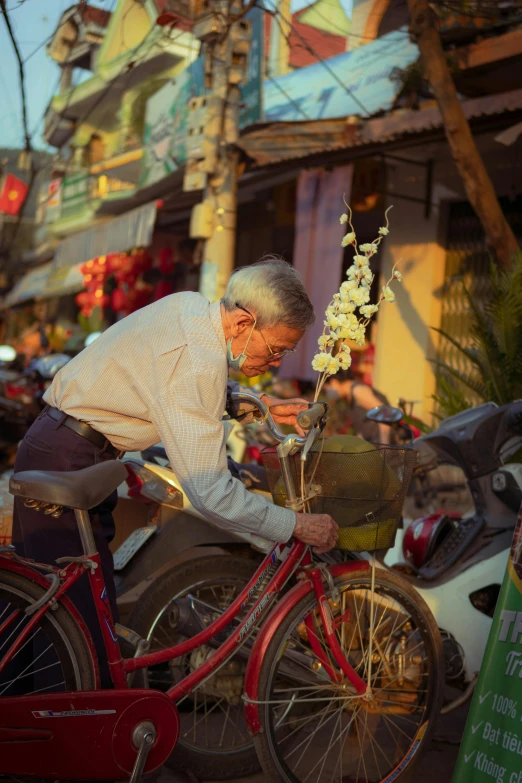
(192, 755)
(59, 628)
(274, 743)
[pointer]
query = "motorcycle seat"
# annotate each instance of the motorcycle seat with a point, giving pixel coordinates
(81, 489)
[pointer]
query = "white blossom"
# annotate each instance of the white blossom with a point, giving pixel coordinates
(333, 365)
(331, 316)
(346, 287)
(368, 310)
(388, 293)
(366, 276)
(348, 239)
(352, 272)
(360, 296)
(369, 248)
(346, 307)
(383, 231)
(343, 219)
(320, 361)
(397, 275)
(360, 336)
(344, 358)
(324, 341)
(360, 261)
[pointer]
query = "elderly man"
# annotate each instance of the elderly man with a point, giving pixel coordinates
(161, 374)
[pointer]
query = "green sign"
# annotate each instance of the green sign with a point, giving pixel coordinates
(166, 123)
(491, 750)
(252, 91)
(75, 192)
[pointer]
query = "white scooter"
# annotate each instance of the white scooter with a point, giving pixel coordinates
(457, 563)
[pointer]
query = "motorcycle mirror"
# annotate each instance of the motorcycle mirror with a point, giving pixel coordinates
(7, 353)
(49, 365)
(91, 338)
(384, 414)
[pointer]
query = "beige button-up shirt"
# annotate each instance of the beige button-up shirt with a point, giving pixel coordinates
(161, 375)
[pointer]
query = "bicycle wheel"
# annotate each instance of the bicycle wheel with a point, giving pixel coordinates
(55, 656)
(315, 731)
(214, 742)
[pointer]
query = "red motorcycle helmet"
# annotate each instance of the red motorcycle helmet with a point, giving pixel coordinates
(425, 535)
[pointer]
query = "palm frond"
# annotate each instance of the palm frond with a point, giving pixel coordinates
(473, 382)
(494, 357)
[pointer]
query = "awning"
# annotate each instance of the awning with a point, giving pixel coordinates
(31, 286)
(286, 141)
(63, 281)
(45, 282)
(133, 229)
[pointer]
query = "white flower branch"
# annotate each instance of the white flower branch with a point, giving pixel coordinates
(350, 311)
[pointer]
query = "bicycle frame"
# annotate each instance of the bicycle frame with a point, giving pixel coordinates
(294, 556)
(110, 706)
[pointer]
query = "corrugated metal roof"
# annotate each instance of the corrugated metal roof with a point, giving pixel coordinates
(352, 83)
(272, 143)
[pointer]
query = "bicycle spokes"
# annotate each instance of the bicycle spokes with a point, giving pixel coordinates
(324, 729)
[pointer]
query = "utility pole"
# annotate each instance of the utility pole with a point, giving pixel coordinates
(213, 132)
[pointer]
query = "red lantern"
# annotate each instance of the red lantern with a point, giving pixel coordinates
(118, 300)
(82, 299)
(163, 288)
(115, 262)
(166, 261)
(142, 296)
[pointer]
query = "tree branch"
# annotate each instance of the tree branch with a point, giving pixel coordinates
(477, 183)
(3, 8)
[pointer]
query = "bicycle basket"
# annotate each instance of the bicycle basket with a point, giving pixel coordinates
(363, 491)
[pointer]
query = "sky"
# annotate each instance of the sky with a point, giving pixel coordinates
(33, 22)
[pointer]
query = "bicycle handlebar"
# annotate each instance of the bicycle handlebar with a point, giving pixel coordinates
(307, 419)
(310, 416)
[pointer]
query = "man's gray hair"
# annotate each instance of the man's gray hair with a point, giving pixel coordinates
(273, 290)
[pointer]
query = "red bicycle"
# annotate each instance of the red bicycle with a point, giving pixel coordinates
(343, 673)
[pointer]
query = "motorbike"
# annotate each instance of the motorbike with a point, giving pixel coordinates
(194, 572)
(173, 530)
(456, 561)
(21, 399)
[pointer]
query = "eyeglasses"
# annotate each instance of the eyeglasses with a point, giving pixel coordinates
(274, 356)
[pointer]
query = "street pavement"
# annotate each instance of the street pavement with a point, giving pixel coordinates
(437, 764)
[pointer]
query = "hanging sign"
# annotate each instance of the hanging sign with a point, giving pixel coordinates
(491, 749)
(251, 110)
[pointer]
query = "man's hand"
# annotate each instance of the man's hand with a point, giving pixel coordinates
(319, 530)
(285, 411)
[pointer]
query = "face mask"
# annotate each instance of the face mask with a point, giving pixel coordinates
(236, 362)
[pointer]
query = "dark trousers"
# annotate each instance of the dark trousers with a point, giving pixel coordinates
(50, 446)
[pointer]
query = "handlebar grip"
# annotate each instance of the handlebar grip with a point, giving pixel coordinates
(307, 419)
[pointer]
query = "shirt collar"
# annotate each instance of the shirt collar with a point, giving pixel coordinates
(217, 323)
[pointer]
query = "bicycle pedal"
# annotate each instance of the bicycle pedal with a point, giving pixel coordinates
(143, 738)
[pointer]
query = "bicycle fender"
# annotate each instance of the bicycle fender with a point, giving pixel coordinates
(180, 532)
(268, 630)
(24, 569)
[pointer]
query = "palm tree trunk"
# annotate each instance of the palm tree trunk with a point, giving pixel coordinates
(478, 185)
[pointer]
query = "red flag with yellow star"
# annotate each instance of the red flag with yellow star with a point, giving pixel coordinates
(12, 195)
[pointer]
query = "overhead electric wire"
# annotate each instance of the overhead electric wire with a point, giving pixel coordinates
(322, 62)
(21, 71)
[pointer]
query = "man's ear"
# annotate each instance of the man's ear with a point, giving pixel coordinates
(240, 322)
